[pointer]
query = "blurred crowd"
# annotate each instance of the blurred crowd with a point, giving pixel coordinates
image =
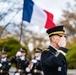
(23, 65)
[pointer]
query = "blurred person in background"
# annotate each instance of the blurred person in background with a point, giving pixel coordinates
(21, 62)
(35, 67)
(5, 64)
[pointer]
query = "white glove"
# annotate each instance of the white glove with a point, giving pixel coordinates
(17, 73)
(27, 69)
(34, 61)
(62, 42)
(0, 65)
(18, 53)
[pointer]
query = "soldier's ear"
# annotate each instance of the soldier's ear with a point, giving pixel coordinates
(53, 39)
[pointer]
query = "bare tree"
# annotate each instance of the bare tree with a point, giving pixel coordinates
(69, 19)
(8, 14)
(10, 28)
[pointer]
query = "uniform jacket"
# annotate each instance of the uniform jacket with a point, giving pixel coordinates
(53, 63)
(36, 67)
(20, 64)
(6, 65)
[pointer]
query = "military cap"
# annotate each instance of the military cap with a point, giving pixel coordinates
(3, 52)
(57, 30)
(38, 50)
(22, 50)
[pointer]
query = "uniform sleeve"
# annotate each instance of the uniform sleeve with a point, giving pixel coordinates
(49, 59)
(7, 66)
(26, 64)
(39, 65)
(13, 59)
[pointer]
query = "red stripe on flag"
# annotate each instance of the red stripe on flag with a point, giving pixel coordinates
(49, 22)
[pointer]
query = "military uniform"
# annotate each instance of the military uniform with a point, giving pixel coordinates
(5, 65)
(53, 61)
(21, 63)
(35, 68)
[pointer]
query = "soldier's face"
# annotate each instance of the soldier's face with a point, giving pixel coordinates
(3, 55)
(23, 54)
(55, 39)
(37, 54)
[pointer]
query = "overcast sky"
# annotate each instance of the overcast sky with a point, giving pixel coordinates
(53, 6)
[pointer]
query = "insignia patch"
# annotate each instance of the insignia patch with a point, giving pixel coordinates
(56, 55)
(59, 68)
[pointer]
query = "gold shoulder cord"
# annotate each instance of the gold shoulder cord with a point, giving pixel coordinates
(46, 50)
(62, 52)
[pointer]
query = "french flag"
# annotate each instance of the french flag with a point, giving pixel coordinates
(37, 16)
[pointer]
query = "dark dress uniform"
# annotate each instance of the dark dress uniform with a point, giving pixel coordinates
(53, 63)
(20, 65)
(4, 69)
(36, 69)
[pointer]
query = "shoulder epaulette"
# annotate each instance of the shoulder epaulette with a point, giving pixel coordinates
(46, 50)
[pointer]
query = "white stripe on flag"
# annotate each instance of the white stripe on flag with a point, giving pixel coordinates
(39, 17)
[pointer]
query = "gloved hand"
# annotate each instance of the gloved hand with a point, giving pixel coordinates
(0, 65)
(34, 60)
(27, 69)
(17, 73)
(62, 42)
(18, 53)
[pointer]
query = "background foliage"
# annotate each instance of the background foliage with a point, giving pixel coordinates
(71, 57)
(11, 46)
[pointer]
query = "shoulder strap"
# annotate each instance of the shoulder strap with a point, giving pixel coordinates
(49, 51)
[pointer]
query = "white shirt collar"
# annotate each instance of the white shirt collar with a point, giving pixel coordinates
(3, 59)
(38, 58)
(54, 47)
(22, 58)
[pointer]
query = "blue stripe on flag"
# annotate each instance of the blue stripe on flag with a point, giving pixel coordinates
(27, 10)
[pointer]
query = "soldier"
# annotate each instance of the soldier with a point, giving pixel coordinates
(5, 64)
(53, 61)
(34, 67)
(21, 62)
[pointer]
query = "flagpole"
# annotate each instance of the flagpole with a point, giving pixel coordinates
(21, 32)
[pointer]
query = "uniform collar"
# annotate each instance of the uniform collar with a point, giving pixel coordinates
(22, 58)
(38, 58)
(4, 59)
(52, 49)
